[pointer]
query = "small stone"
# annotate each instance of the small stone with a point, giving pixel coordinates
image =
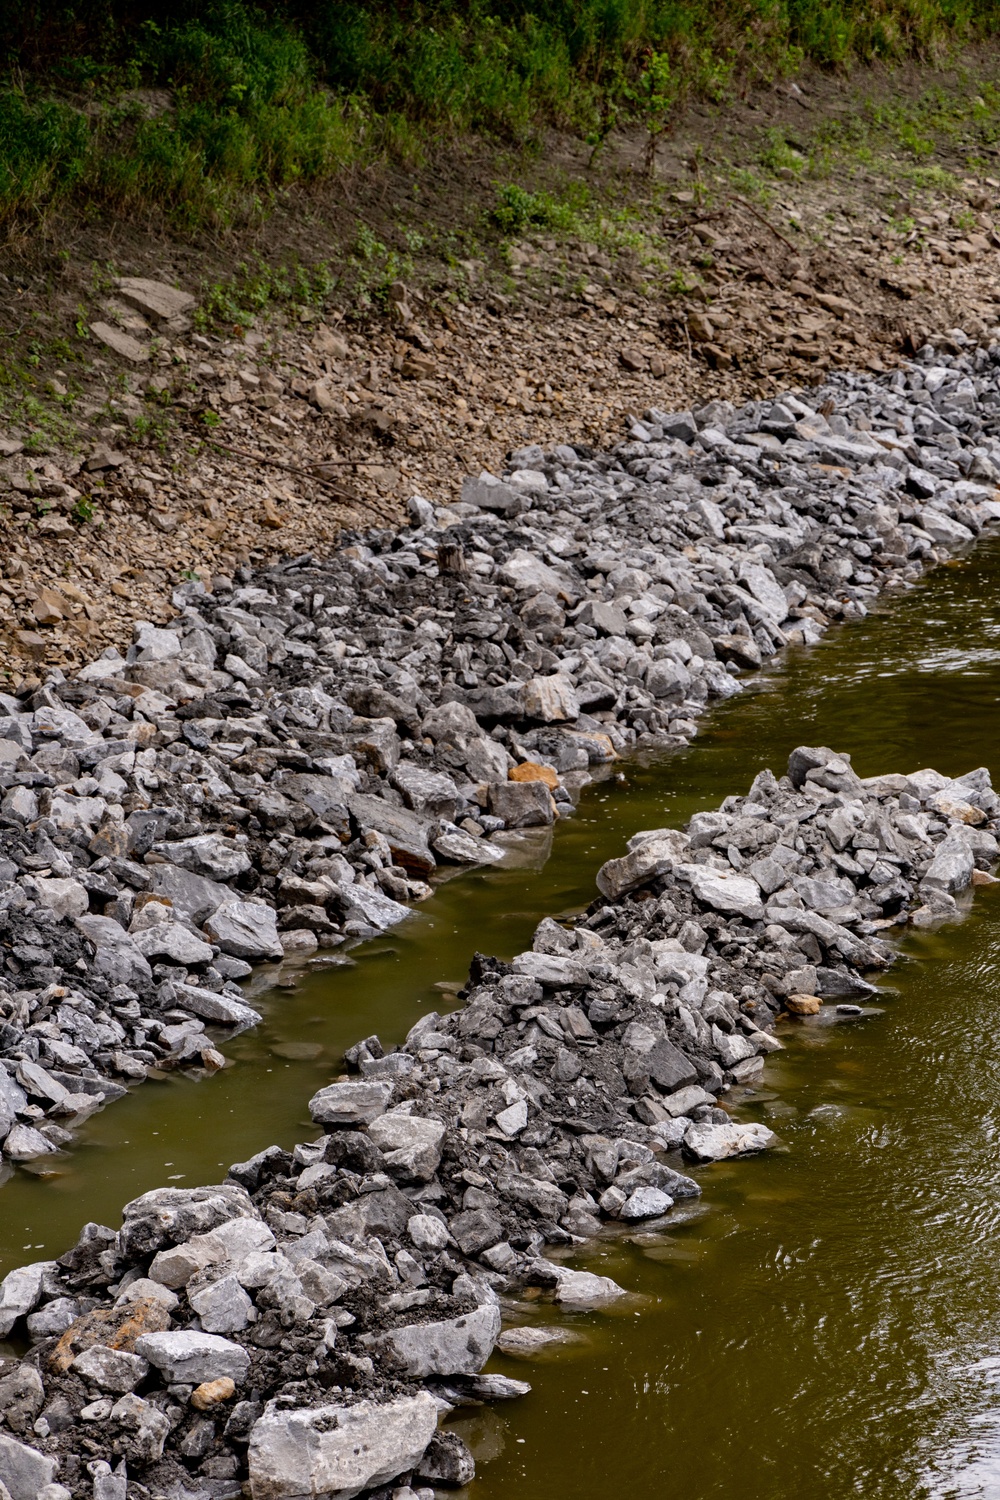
(122, 343)
(212, 1393)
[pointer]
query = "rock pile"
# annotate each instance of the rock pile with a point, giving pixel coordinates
(300, 1327)
(286, 763)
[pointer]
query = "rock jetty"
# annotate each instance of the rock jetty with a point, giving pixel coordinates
(285, 765)
(299, 1329)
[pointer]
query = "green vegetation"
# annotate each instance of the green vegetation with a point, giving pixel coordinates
(202, 111)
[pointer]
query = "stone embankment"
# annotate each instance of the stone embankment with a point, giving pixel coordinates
(299, 1329)
(287, 763)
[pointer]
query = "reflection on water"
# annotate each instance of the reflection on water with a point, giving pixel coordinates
(826, 1322)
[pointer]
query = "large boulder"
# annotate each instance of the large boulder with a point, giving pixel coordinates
(20, 1291)
(411, 1143)
(456, 1346)
(245, 929)
(338, 1451)
(116, 955)
(169, 1216)
(649, 855)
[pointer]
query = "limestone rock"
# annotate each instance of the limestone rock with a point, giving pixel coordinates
(337, 1451)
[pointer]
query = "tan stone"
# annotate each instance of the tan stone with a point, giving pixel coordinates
(122, 343)
(804, 1005)
(155, 298)
(529, 770)
(50, 606)
(212, 1393)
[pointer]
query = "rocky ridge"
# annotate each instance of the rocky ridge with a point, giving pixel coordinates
(290, 760)
(300, 1328)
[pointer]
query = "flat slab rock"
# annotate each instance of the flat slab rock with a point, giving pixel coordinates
(334, 1451)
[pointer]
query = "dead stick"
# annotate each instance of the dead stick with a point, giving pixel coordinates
(766, 223)
(277, 463)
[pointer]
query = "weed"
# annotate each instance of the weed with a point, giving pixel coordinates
(516, 209)
(83, 510)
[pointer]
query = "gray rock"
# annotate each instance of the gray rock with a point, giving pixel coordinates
(350, 1104)
(522, 804)
(338, 1451)
(411, 1144)
(191, 895)
(24, 1470)
(725, 891)
(222, 1306)
(20, 1291)
(186, 1357)
(111, 1369)
(116, 955)
(456, 1346)
(246, 929)
(717, 1142)
(169, 940)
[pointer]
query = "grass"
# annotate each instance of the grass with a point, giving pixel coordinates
(203, 112)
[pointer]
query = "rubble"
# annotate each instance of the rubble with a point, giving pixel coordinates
(357, 1284)
(299, 1328)
(286, 764)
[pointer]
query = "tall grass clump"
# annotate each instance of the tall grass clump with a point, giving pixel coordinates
(203, 109)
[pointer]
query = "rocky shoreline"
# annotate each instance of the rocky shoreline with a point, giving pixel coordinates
(288, 763)
(300, 1328)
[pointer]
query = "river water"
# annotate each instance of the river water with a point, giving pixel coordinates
(827, 1320)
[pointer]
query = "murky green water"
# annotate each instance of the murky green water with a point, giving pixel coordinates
(828, 1322)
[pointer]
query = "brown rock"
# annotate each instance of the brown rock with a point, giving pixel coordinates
(418, 366)
(321, 396)
(50, 606)
(804, 1005)
(155, 297)
(529, 770)
(212, 1392)
(632, 359)
(118, 1327)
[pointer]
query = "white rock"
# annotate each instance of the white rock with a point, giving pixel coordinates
(648, 859)
(222, 1306)
(350, 1104)
(172, 941)
(338, 1451)
(411, 1143)
(67, 898)
(726, 891)
(646, 1203)
(717, 1142)
(584, 1289)
(428, 1233)
(514, 1118)
(246, 929)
